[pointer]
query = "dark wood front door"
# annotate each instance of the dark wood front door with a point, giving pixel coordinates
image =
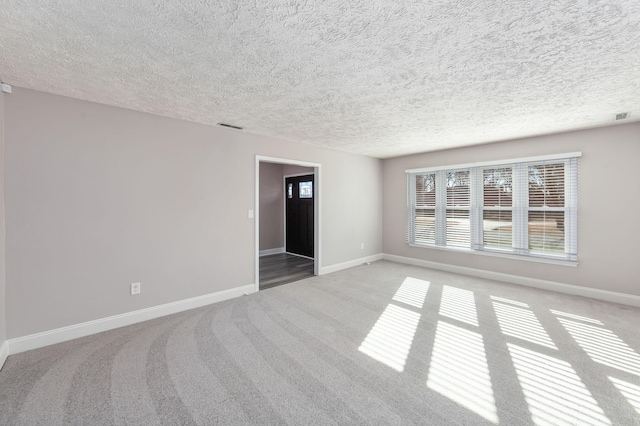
(299, 194)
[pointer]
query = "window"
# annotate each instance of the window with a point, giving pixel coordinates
(497, 208)
(546, 207)
(306, 189)
(458, 204)
(425, 209)
(525, 207)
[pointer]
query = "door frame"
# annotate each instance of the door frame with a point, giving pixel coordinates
(317, 218)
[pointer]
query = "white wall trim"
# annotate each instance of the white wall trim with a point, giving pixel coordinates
(4, 353)
(593, 293)
(267, 252)
(499, 162)
(350, 264)
(58, 335)
(490, 253)
(297, 174)
(287, 161)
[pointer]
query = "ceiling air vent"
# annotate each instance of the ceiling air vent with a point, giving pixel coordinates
(231, 126)
(622, 116)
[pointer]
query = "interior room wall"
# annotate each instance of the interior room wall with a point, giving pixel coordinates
(291, 169)
(607, 199)
(99, 197)
(271, 206)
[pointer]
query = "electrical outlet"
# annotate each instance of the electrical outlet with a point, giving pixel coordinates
(135, 289)
(361, 246)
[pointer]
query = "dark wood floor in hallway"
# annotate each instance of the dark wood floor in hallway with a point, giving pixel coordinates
(283, 268)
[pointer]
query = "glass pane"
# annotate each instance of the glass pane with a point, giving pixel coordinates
(426, 226)
(497, 187)
(497, 229)
(290, 190)
(458, 193)
(546, 231)
(546, 185)
(306, 189)
(458, 227)
(426, 190)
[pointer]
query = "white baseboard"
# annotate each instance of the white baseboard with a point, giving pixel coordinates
(267, 252)
(58, 335)
(594, 293)
(350, 264)
(4, 353)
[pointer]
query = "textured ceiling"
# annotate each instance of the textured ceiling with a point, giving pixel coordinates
(380, 78)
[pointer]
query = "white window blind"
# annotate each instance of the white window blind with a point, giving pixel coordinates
(497, 208)
(458, 205)
(425, 211)
(523, 207)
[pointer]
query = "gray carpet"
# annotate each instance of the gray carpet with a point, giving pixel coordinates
(381, 344)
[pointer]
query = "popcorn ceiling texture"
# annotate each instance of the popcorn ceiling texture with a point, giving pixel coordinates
(380, 78)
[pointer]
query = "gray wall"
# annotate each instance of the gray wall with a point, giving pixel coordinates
(3, 316)
(99, 197)
(609, 199)
(290, 169)
(271, 206)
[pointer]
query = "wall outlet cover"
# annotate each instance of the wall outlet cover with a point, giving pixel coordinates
(135, 288)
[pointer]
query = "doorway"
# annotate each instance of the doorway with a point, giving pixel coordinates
(298, 246)
(299, 196)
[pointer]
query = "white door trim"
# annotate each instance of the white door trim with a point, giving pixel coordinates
(317, 221)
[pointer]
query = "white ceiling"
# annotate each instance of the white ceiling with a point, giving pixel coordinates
(380, 78)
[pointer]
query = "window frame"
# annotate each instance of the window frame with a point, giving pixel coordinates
(480, 242)
(423, 208)
(520, 208)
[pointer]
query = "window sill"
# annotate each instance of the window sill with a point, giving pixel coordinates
(560, 262)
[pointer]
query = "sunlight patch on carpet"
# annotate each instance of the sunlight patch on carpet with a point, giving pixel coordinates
(603, 346)
(459, 370)
(578, 317)
(390, 339)
(412, 292)
(554, 392)
(521, 323)
(629, 390)
(458, 304)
